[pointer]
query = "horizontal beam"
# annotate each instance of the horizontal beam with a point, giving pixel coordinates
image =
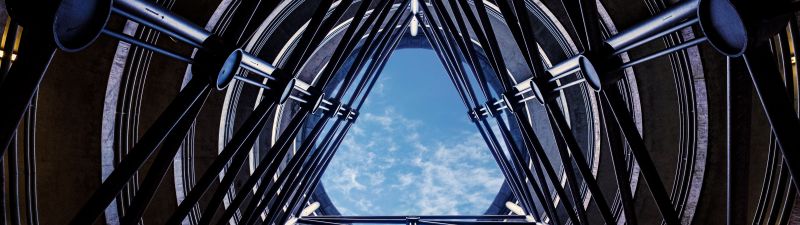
(429, 217)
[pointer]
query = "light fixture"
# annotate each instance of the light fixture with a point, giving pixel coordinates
(516, 209)
(310, 209)
(305, 212)
(414, 27)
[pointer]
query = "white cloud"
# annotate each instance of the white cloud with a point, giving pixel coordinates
(424, 175)
(348, 181)
(405, 179)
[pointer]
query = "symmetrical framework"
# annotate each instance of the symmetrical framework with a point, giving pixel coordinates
(738, 29)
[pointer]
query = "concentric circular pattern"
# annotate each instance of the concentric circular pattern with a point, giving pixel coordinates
(94, 105)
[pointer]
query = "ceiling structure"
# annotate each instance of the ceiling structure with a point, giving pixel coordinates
(229, 111)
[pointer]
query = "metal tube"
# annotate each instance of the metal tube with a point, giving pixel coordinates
(567, 67)
(519, 191)
(613, 103)
(570, 84)
(621, 175)
(311, 178)
(278, 151)
(158, 170)
(156, 27)
(426, 217)
(260, 201)
(145, 45)
(195, 92)
(145, 11)
(298, 99)
(257, 65)
(314, 222)
(527, 99)
(568, 147)
(456, 42)
(526, 90)
(301, 90)
(246, 135)
(267, 166)
(290, 171)
(523, 170)
(664, 52)
(310, 182)
(465, 44)
(498, 102)
(243, 139)
(655, 24)
(658, 35)
(252, 82)
(491, 46)
(443, 52)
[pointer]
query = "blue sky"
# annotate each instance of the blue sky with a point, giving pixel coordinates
(413, 150)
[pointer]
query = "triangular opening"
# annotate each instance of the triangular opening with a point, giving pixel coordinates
(413, 150)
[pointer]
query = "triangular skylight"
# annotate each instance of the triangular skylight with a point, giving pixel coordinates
(413, 150)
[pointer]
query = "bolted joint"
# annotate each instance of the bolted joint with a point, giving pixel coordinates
(412, 220)
(283, 94)
(489, 109)
(339, 110)
(495, 107)
(316, 105)
(475, 114)
(353, 115)
(538, 85)
(342, 111)
(218, 61)
(596, 63)
(733, 26)
(584, 63)
(511, 100)
(77, 23)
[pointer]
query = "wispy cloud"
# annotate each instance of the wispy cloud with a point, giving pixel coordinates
(389, 160)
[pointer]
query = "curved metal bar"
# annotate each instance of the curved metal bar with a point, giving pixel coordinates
(147, 46)
(253, 123)
(312, 176)
(366, 49)
(29, 156)
(777, 106)
(22, 81)
(268, 164)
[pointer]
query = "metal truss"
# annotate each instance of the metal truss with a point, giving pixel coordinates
(415, 220)
(736, 29)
